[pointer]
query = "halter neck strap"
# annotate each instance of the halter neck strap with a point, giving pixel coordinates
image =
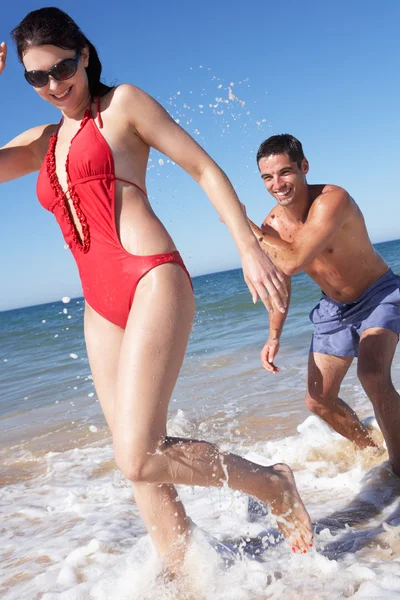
(98, 112)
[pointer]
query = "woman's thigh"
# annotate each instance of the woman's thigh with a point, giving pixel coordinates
(103, 344)
(103, 341)
(152, 352)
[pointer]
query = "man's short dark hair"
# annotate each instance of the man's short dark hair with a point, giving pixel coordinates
(282, 144)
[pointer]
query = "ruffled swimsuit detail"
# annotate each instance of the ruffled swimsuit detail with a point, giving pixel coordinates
(109, 274)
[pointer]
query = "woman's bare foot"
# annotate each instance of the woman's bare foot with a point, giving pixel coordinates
(292, 517)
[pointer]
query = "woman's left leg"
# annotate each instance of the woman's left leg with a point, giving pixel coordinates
(151, 356)
(103, 343)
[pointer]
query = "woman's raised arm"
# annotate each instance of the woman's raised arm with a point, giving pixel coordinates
(24, 154)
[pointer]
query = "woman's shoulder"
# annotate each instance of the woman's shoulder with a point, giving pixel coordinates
(40, 138)
(130, 104)
(36, 137)
(126, 95)
(25, 153)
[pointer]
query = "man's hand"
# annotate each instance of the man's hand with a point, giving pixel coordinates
(3, 56)
(268, 354)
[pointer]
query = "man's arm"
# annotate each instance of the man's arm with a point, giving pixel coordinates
(327, 215)
(276, 323)
(277, 319)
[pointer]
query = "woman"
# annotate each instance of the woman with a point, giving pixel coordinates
(139, 300)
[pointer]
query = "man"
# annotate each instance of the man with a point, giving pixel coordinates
(320, 230)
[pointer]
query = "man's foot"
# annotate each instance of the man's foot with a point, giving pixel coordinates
(292, 517)
(368, 435)
(365, 439)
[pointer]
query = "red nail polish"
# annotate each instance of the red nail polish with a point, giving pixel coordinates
(310, 545)
(293, 549)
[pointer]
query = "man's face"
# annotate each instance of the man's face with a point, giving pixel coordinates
(283, 178)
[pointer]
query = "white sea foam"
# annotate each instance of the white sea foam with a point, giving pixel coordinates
(75, 532)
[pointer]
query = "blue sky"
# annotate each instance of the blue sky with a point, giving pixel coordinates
(327, 72)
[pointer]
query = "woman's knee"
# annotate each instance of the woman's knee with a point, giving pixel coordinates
(135, 465)
(132, 469)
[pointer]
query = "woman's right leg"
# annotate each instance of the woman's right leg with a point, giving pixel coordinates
(103, 343)
(172, 461)
(151, 356)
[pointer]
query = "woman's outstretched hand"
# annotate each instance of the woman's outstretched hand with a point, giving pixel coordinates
(264, 280)
(3, 56)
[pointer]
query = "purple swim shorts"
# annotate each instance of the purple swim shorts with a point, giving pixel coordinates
(337, 326)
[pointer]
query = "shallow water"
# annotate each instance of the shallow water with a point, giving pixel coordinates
(69, 526)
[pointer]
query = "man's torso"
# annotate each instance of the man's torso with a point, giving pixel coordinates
(348, 264)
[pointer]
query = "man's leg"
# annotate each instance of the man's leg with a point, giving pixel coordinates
(325, 375)
(377, 348)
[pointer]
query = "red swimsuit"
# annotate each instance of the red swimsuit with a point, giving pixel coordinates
(109, 273)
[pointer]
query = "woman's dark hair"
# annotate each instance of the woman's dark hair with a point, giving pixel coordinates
(54, 27)
(282, 144)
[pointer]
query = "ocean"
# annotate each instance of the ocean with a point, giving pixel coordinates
(70, 529)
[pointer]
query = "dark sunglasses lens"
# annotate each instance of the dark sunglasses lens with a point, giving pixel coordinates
(65, 69)
(37, 79)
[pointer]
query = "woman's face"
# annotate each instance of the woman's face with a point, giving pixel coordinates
(66, 95)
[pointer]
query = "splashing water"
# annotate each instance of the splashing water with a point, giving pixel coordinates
(214, 108)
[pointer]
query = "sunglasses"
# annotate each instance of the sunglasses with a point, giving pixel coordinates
(63, 70)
